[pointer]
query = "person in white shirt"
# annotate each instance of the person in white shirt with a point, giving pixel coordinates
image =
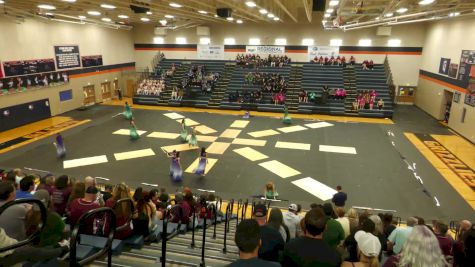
(292, 220)
(344, 221)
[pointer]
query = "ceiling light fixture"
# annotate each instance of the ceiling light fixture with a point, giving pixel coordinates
(270, 15)
(327, 15)
(175, 5)
(377, 18)
(2, 2)
(82, 17)
(69, 1)
(250, 4)
(333, 3)
(106, 19)
(202, 12)
(388, 15)
(94, 13)
(276, 18)
(149, 13)
(107, 6)
(330, 10)
(454, 14)
(123, 16)
(402, 10)
(169, 16)
(163, 22)
(239, 21)
(230, 18)
(263, 11)
(145, 19)
(49, 14)
(426, 2)
(47, 7)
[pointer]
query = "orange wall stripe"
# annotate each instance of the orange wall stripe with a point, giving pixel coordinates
(460, 89)
(381, 53)
(100, 72)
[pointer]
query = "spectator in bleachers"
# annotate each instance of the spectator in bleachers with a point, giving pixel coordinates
(292, 220)
(352, 60)
(164, 197)
(445, 241)
(13, 219)
(61, 194)
(91, 181)
(78, 191)
(420, 249)
(146, 219)
(53, 230)
(80, 206)
(369, 248)
(340, 197)
(276, 221)
(334, 232)
(370, 64)
(353, 217)
(380, 104)
(123, 212)
(27, 185)
(47, 183)
(399, 236)
(303, 97)
(312, 97)
(248, 240)
(272, 241)
(388, 224)
(181, 92)
(107, 193)
(311, 250)
(378, 232)
(151, 87)
(464, 248)
(344, 221)
(256, 60)
(364, 224)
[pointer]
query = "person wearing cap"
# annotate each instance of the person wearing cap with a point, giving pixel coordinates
(369, 248)
(248, 240)
(80, 206)
(272, 241)
(310, 250)
(292, 220)
(53, 231)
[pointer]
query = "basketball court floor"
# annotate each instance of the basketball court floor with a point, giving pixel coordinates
(380, 163)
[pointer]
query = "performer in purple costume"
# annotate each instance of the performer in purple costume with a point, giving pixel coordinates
(200, 170)
(59, 144)
(176, 172)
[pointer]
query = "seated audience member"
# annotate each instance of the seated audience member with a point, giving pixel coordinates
(445, 241)
(292, 221)
(27, 185)
(248, 240)
(353, 217)
(154, 197)
(123, 212)
(303, 98)
(60, 194)
(272, 241)
(276, 221)
(310, 249)
(378, 232)
(78, 191)
(53, 231)
(14, 219)
(334, 232)
(26, 253)
(107, 193)
(399, 236)
(47, 183)
(380, 104)
(352, 60)
(364, 65)
(146, 220)
(369, 248)
(164, 198)
(364, 224)
(370, 64)
(80, 206)
(91, 181)
(340, 197)
(464, 247)
(420, 249)
(388, 225)
(344, 221)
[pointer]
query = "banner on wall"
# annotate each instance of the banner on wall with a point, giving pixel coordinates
(1, 70)
(467, 59)
(24, 67)
(324, 51)
(444, 66)
(210, 51)
(91, 61)
(67, 56)
(265, 49)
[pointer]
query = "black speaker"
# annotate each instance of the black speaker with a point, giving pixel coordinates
(319, 5)
(139, 9)
(224, 12)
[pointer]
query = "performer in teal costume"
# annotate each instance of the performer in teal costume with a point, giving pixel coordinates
(287, 119)
(193, 141)
(133, 131)
(184, 131)
(128, 112)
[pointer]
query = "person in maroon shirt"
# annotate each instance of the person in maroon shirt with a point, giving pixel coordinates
(60, 194)
(80, 206)
(445, 242)
(121, 191)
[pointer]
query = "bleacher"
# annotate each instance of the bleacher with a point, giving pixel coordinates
(314, 77)
(193, 96)
(374, 79)
(238, 83)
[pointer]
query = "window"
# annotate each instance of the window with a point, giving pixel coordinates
(336, 42)
(394, 42)
(180, 40)
(308, 41)
(280, 41)
(205, 40)
(365, 42)
(254, 41)
(158, 40)
(229, 41)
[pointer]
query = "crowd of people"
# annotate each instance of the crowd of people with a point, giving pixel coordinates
(197, 76)
(334, 93)
(272, 84)
(151, 87)
(328, 234)
(366, 100)
(253, 60)
(330, 61)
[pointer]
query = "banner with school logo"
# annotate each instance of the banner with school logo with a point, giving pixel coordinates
(324, 51)
(265, 50)
(210, 51)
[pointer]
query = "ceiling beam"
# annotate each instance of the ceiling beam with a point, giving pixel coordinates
(282, 6)
(213, 8)
(308, 5)
(244, 11)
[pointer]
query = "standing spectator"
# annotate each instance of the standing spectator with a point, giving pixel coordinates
(27, 185)
(248, 240)
(464, 248)
(311, 250)
(378, 232)
(344, 221)
(13, 219)
(272, 241)
(420, 249)
(399, 236)
(339, 198)
(334, 232)
(370, 248)
(445, 242)
(61, 194)
(82, 205)
(107, 193)
(388, 225)
(292, 220)
(276, 221)
(352, 215)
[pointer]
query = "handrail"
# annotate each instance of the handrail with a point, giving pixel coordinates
(203, 242)
(226, 221)
(131, 214)
(231, 214)
(108, 246)
(239, 205)
(163, 258)
(244, 210)
(36, 234)
(192, 245)
(215, 210)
